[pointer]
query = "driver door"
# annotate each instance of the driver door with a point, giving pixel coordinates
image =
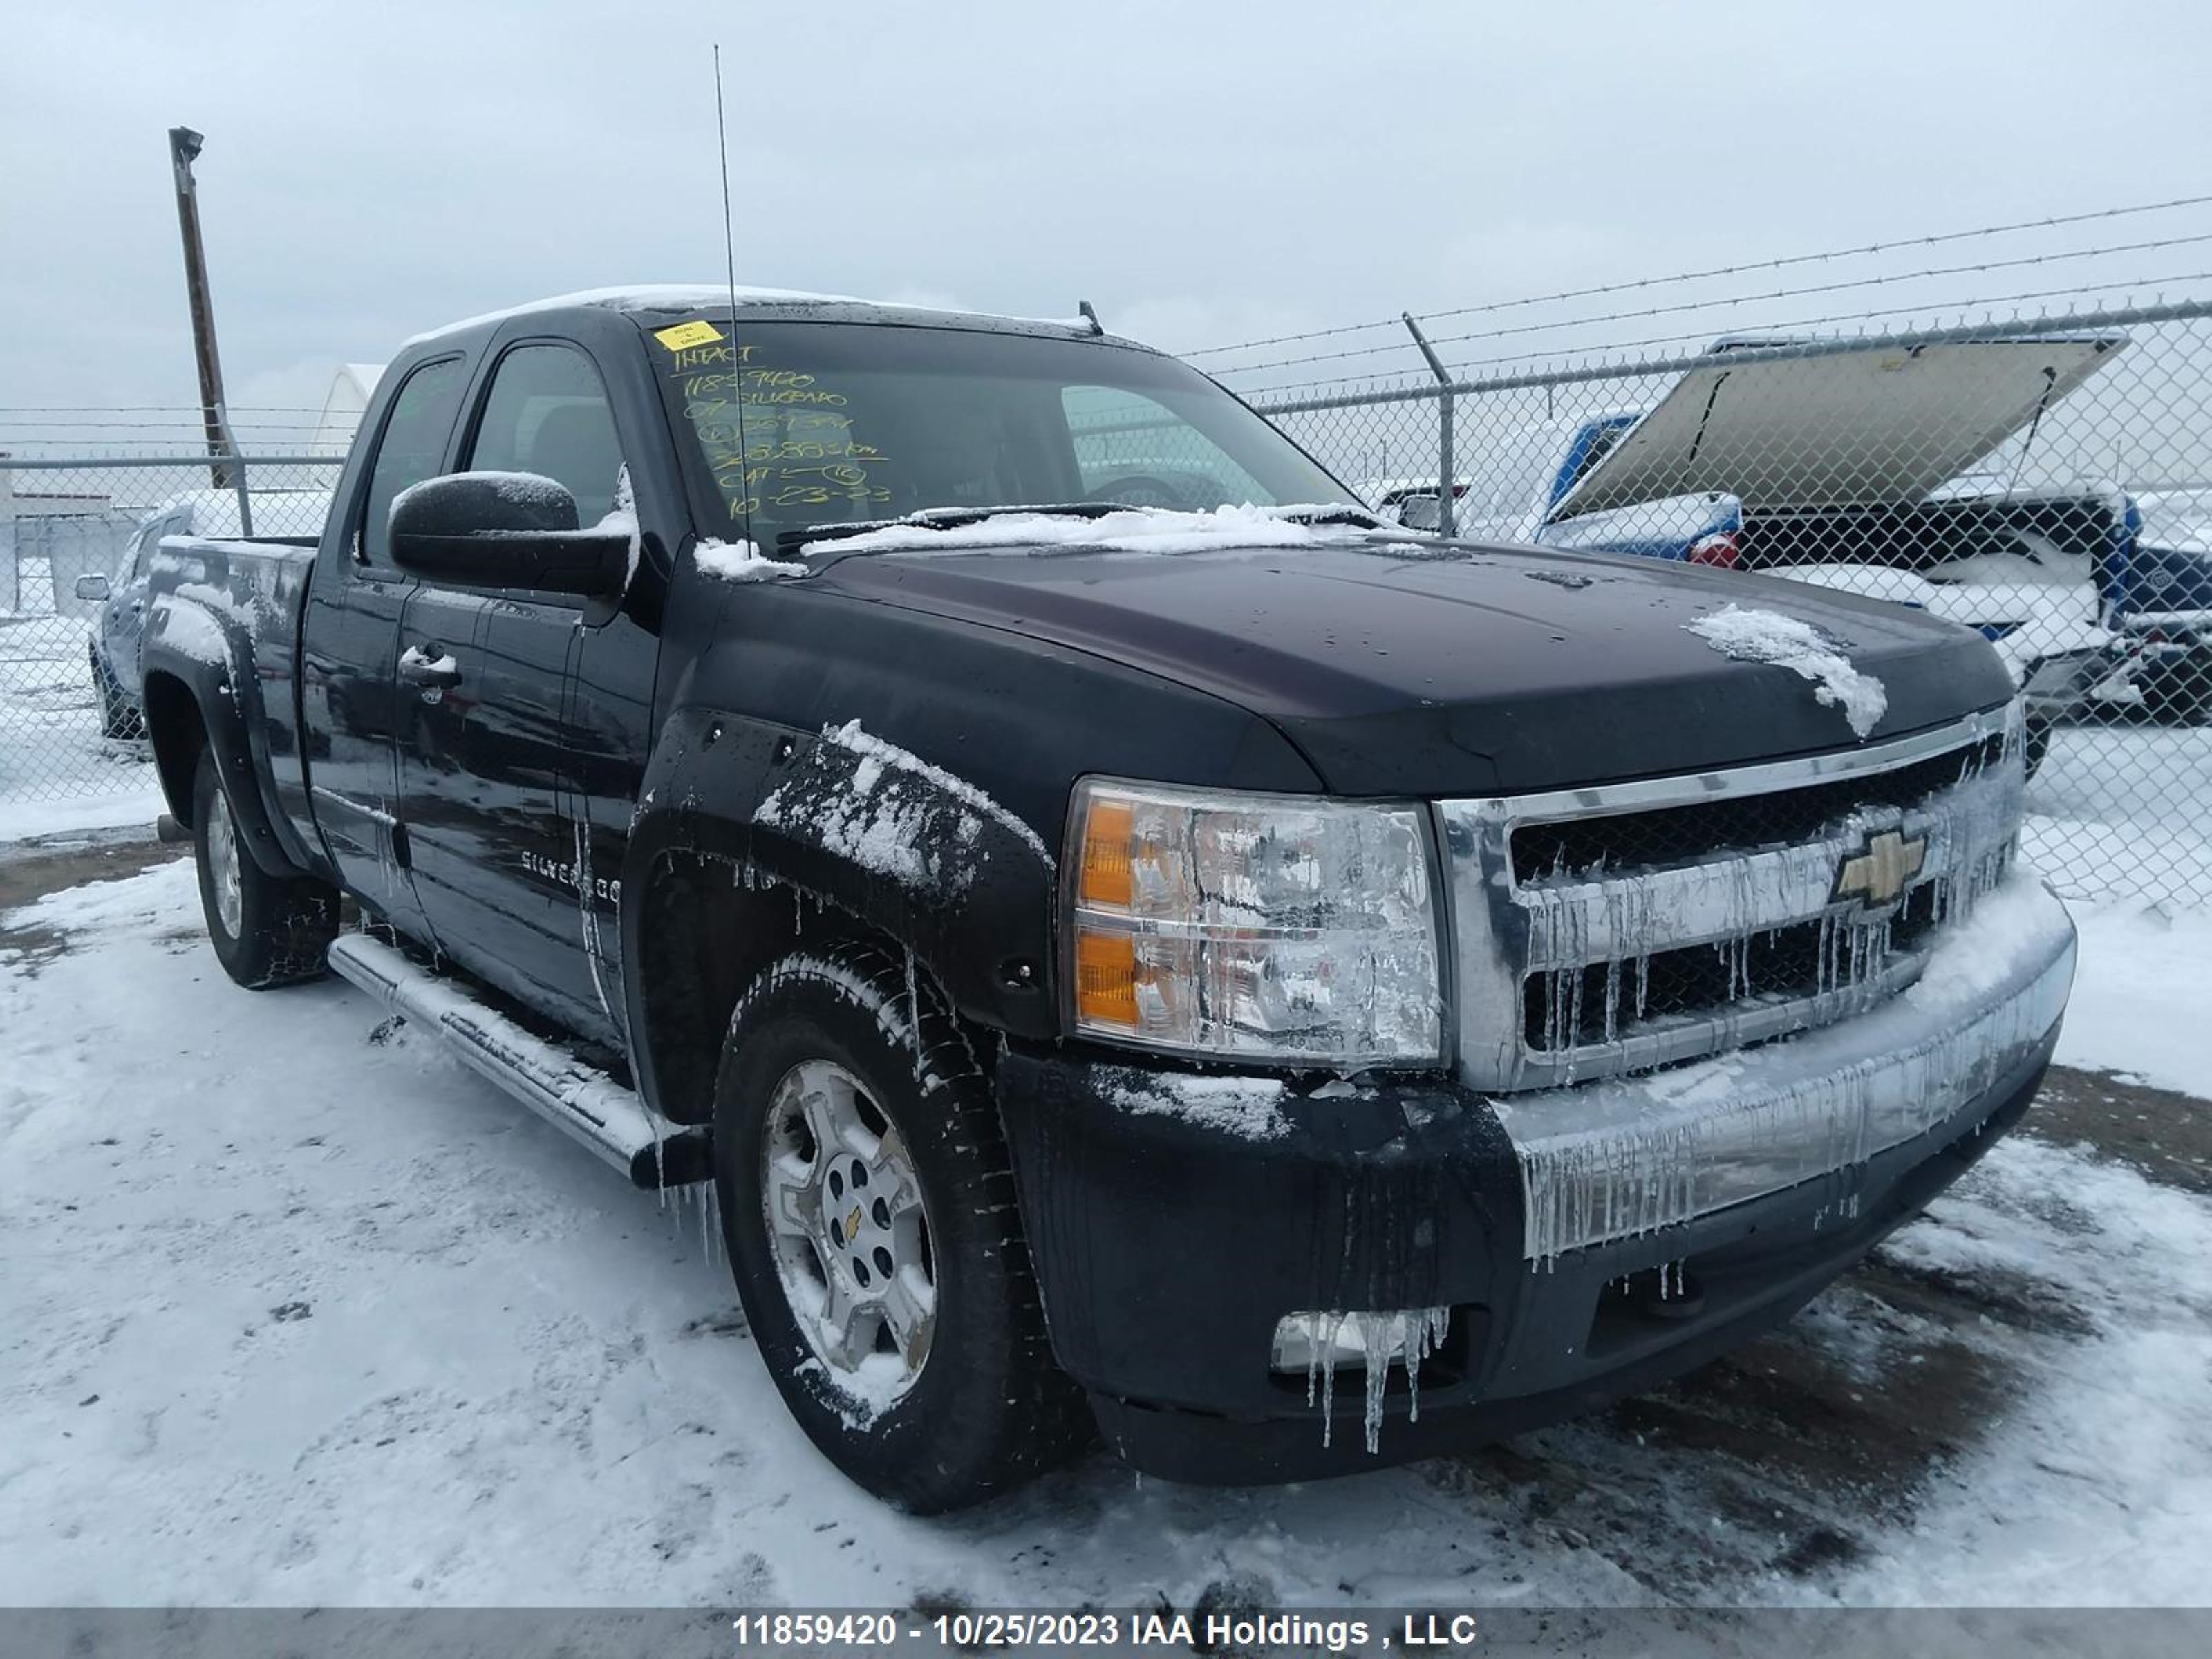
(499, 866)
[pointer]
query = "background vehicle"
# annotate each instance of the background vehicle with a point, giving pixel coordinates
(2166, 616)
(1118, 967)
(292, 513)
(1852, 468)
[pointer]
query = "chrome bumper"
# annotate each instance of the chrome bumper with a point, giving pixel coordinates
(1615, 1159)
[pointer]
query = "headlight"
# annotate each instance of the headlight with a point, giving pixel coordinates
(1276, 927)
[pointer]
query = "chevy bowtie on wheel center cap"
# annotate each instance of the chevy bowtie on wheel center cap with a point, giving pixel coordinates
(845, 1219)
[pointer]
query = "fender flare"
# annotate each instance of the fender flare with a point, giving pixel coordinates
(191, 647)
(901, 846)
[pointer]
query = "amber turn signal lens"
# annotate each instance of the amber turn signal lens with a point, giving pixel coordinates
(1106, 978)
(1107, 833)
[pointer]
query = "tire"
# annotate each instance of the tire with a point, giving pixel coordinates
(119, 717)
(2180, 693)
(265, 931)
(828, 1037)
(2036, 741)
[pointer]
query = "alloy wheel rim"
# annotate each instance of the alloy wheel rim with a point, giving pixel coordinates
(229, 881)
(850, 1231)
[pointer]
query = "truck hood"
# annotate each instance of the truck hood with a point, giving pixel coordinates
(1434, 669)
(1835, 426)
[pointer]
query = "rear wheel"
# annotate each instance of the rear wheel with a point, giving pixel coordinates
(119, 717)
(869, 1213)
(265, 930)
(2036, 744)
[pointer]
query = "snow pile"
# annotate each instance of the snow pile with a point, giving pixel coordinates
(890, 812)
(1768, 637)
(741, 561)
(2095, 1488)
(2010, 922)
(2139, 995)
(1130, 530)
(1249, 1108)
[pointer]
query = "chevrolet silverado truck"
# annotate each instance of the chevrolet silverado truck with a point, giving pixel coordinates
(1270, 989)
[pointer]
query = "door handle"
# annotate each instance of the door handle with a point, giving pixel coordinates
(417, 667)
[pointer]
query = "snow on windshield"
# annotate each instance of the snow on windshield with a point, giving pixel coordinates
(1133, 529)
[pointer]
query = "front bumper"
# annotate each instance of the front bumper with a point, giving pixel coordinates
(1168, 1241)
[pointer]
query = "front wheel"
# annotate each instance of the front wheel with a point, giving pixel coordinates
(869, 1213)
(265, 931)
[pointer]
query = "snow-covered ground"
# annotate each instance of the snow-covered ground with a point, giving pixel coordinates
(57, 772)
(295, 1310)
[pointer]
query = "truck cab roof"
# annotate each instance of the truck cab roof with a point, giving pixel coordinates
(649, 301)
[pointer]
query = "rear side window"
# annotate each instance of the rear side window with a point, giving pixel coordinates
(547, 413)
(411, 449)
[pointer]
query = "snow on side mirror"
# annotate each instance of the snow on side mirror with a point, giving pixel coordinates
(505, 530)
(92, 589)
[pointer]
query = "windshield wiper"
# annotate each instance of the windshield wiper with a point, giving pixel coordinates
(1336, 515)
(941, 518)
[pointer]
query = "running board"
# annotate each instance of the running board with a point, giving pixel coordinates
(580, 1100)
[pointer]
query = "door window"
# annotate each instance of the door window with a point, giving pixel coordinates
(547, 413)
(411, 449)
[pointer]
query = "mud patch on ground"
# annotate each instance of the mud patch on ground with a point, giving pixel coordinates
(30, 873)
(2167, 1136)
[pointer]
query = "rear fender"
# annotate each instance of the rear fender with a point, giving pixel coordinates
(200, 693)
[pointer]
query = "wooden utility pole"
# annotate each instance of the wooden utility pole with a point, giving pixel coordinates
(184, 146)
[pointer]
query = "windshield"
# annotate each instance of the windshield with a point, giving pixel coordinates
(794, 425)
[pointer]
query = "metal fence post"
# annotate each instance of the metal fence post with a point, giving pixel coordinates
(238, 473)
(1447, 473)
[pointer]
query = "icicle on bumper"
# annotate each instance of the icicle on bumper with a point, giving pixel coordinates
(1370, 1340)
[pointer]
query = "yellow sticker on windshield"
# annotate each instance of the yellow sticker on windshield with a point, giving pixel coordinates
(684, 335)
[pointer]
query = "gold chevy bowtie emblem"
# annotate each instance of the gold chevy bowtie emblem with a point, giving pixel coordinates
(1877, 876)
(853, 1223)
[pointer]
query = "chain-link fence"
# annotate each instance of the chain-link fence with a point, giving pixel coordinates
(2046, 481)
(77, 540)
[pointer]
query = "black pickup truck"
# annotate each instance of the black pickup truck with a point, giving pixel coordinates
(1136, 945)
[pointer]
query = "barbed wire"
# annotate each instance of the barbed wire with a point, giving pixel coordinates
(1886, 315)
(1637, 284)
(1680, 306)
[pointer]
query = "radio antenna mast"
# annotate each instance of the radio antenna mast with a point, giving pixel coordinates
(730, 269)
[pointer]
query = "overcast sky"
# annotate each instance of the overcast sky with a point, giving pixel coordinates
(1203, 173)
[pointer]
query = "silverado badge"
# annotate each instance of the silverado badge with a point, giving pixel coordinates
(1876, 874)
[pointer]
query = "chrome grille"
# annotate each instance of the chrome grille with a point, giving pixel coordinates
(1634, 926)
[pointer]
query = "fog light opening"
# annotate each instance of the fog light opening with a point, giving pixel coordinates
(1370, 1342)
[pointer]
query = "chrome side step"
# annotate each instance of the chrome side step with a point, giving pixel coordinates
(578, 1099)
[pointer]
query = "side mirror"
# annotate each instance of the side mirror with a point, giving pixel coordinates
(505, 530)
(92, 589)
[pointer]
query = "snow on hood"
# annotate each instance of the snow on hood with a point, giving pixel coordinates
(1130, 530)
(1768, 637)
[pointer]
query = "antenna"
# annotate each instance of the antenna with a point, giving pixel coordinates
(730, 268)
